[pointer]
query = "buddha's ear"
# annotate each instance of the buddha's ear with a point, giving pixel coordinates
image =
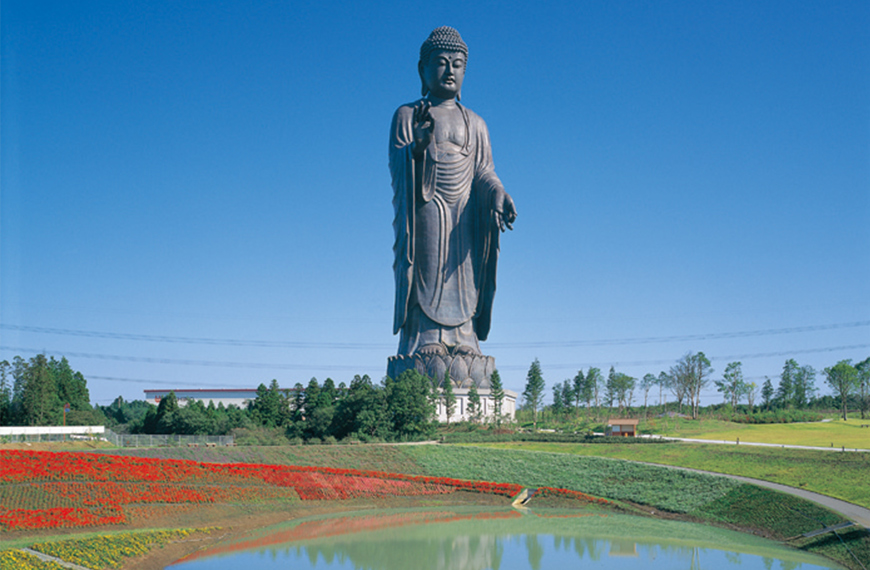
(424, 89)
(459, 95)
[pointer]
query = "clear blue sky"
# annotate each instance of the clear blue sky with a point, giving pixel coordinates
(694, 174)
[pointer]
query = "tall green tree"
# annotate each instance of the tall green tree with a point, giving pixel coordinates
(448, 396)
(583, 389)
(161, 420)
(863, 369)
(619, 388)
(843, 380)
(785, 391)
(40, 404)
(362, 411)
(803, 386)
(319, 409)
(271, 407)
(579, 384)
(567, 395)
(409, 406)
(5, 393)
(646, 384)
(732, 386)
(691, 374)
(558, 400)
(751, 394)
(496, 392)
(533, 395)
(610, 389)
(767, 393)
(594, 382)
(474, 410)
(71, 386)
(664, 382)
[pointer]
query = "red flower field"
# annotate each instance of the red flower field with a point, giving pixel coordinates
(41, 489)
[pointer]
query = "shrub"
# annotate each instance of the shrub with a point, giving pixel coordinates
(777, 417)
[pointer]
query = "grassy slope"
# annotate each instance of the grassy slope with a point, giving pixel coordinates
(701, 497)
(829, 473)
(609, 478)
(836, 433)
(370, 457)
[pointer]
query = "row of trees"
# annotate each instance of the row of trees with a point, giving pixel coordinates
(686, 380)
(474, 411)
(44, 391)
(398, 409)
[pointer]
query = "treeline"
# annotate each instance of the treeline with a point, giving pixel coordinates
(595, 394)
(37, 392)
(45, 391)
(400, 409)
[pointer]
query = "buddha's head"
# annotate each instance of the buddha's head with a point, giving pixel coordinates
(443, 57)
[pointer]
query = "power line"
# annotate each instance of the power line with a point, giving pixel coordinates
(181, 361)
(732, 357)
(680, 338)
(351, 367)
(165, 382)
(379, 346)
(197, 340)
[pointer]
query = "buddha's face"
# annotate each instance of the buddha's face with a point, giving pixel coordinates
(443, 73)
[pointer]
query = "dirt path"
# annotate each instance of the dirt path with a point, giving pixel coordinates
(851, 511)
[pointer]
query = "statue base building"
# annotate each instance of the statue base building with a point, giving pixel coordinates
(487, 407)
(464, 369)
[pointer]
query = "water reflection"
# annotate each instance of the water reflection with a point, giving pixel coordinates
(500, 539)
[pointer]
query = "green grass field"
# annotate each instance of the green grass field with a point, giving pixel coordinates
(836, 474)
(835, 433)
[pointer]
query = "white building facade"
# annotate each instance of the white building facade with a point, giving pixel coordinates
(227, 396)
(487, 406)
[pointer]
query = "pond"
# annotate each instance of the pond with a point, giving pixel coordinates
(473, 538)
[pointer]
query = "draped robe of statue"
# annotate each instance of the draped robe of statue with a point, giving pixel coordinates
(447, 239)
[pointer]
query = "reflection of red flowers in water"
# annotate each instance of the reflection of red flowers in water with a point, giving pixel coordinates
(41, 489)
(346, 525)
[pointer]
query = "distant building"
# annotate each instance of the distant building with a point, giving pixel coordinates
(238, 397)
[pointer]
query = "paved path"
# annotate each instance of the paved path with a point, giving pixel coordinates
(726, 442)
(47, 558)
(851, 511)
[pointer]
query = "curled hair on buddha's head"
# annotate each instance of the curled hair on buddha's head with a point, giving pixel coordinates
(443, 38)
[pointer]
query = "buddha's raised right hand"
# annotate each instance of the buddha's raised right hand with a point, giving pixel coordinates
(422, 125)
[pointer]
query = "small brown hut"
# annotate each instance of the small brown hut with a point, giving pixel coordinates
(622, 426)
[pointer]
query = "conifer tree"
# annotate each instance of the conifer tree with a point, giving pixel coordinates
(473, 404)
(496, 392)
(767, 392)
(534, 392)
(579, 385)
(449, 396)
